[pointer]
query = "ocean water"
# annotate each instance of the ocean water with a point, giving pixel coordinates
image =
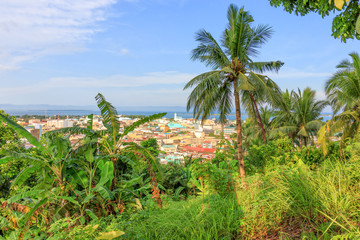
(49, 113)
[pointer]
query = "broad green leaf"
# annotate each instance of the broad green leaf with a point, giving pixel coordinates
(25, 174)
(358, 25)
(28, 194)
(80, 177)
(142, 121)
(89, 155)
(90, 122)
(107, 173)
(88, 198)
(109, 114)
(104, 192)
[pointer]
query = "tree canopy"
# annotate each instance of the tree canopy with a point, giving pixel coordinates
(345, 25)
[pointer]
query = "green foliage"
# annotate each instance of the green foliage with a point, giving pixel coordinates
(9, 139)
(187, 220)
(264, 157)
(299, 116)
(215, 179)
(343, 92)
(345, 25)
(152, 145)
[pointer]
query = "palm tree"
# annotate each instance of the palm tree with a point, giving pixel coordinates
(300, 115)
(343, 92)
(253, 132)
(266, 91)
(216, 90)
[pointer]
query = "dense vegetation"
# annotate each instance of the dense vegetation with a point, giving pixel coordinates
(345, 25)
(106, 188)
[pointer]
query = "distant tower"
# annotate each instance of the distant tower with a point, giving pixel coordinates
(175, 117)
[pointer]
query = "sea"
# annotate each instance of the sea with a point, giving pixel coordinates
(184, 115)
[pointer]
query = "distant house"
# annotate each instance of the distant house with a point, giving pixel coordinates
(198, 149)
(229, 130)
(174, 159)
(207, 144)
(176, 126)
(169, 148)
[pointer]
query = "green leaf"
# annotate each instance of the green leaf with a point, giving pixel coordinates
(111, 235)
(80, 177)
(5, 159)
(244, 83)
(28, 194)
(91, 214)
(107, 173)
(89, 155)
(109, 114)
(88, 198)
(26, 217)
(22, 131)
(69, 199)
(90, 123)
(25, 174)
(142, 121)
(358, 25)
(104, 192)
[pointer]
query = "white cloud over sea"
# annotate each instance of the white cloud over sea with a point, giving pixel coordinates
(33, 28)
(157, 88)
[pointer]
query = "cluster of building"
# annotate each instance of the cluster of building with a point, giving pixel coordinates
(177, 138)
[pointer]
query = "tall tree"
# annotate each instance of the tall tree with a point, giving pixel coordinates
(216, 90)
(265, 91)
(300, 118)
(343, 92)
(346, 25)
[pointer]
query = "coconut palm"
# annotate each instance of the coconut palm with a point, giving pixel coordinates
(300, 115)
(216, 90)
(343, 92)
(253, 132)
(266, 92)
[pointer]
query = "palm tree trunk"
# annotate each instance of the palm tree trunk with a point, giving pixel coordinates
(240, 156)
(258, 117)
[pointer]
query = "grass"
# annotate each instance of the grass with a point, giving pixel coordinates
(190, 219)
(287, 203)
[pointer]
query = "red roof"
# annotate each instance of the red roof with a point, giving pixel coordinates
(200, 149)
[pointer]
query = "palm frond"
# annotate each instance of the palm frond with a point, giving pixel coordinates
(262, 67)
(209, 51)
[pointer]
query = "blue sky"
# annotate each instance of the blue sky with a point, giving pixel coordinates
(137, 52)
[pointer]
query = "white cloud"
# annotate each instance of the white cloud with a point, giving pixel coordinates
(133, 90)
(124, 51)
(32, 28)
(118, 81)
